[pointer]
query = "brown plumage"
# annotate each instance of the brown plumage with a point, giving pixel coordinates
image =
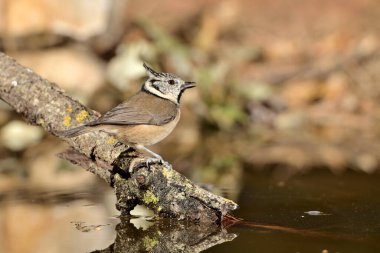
(145, 118)
(143, 113)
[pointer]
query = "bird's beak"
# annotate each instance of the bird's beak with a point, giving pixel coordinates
(187, 85)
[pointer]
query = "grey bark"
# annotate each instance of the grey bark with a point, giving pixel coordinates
(165, 191)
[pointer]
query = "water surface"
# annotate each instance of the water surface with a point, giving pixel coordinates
(308, 213)
(313, 212)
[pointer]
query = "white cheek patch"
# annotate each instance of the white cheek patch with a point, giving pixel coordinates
(151, 89)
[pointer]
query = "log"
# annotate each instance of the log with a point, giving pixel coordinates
(159, 187)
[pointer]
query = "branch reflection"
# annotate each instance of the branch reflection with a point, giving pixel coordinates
(165, 235)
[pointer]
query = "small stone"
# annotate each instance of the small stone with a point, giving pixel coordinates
(18, 135)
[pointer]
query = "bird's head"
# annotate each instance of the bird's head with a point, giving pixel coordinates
(165, 85)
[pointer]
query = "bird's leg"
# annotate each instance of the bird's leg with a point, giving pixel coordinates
(150, 152)
(155, 159)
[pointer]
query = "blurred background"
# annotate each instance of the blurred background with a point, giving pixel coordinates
(284, 87)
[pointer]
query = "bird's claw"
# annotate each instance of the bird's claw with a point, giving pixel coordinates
(148, 162)
(166, 164)
(159, 160)
(152, 160)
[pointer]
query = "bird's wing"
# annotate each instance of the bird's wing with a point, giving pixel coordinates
(142, 108)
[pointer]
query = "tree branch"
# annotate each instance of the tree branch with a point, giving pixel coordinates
(164, 190)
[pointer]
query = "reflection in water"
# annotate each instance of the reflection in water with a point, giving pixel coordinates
(35, 221)
(141, 223)
(166, 236)
(80, 225)
(316, 213)
(308, 213)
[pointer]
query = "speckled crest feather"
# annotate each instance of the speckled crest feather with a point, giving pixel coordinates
(159, 75)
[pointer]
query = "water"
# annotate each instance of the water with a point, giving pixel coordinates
(314, 212)
(348, 208)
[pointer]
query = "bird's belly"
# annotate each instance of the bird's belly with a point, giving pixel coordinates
(146, 135)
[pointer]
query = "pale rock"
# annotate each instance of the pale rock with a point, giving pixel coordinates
(18, 135)
(80, 19)
(73, 68)
(367, 163)
(127, 65)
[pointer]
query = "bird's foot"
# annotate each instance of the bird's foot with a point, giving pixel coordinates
(159, 160)
(152, 160)
(166, 164)
(156, 157)
(137, 164)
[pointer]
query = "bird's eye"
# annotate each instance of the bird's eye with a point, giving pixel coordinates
(171, 82)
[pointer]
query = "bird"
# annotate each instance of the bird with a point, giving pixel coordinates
(144, 119)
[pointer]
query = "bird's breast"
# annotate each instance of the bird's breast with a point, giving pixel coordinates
(146, 135)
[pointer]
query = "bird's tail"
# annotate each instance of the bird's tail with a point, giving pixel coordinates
(73, 132)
